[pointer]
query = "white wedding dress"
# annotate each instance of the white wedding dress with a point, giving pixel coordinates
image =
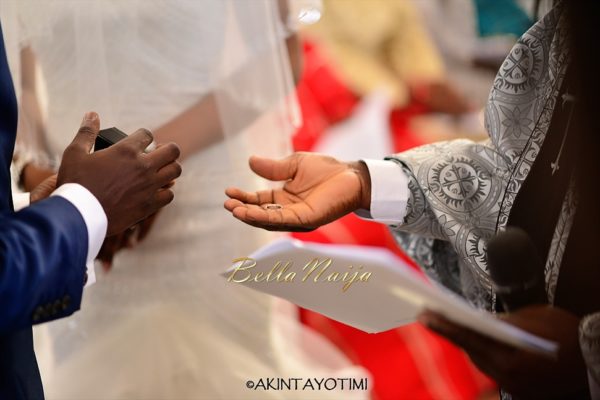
(163, 324)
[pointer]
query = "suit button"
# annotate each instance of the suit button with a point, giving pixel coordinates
(37, 314)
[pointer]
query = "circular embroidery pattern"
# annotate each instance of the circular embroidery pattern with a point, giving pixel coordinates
(459, 183)
(522, 68)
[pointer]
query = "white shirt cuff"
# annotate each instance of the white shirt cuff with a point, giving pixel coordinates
(389, 192)
(20, 200)
(94, 217)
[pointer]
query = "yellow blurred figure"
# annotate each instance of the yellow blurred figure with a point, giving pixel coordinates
(378, 45)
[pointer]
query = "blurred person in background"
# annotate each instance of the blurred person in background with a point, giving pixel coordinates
(383, 45)
(474, 37)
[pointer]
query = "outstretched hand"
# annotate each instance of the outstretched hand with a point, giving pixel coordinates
(318, 189)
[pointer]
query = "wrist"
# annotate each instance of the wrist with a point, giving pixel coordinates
(361, 170)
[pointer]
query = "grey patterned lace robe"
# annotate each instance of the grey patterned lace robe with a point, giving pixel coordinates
(462, 192)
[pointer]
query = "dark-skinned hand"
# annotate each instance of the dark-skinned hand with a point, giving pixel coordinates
(128, 183)
(524, 374)
(318, 190)
(124, 240)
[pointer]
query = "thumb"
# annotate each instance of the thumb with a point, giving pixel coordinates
(86, 136)
(275, 170)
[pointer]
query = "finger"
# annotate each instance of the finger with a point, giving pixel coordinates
(490, 356)
(169, 185)
(280, 228)
(162, 198)
(260, 216)
(231, 204)
(138, 140)
(168, 174)
(106, 266)
(108, 250)
(439, 324)
(261, 197)
(163, 155)
(159, 199)
(51, 181)
(129, 239)
(283, 219)
(88, 131)
(473, 343)
(44, 189)
(275, 170)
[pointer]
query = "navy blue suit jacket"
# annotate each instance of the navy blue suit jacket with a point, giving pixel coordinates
(43, 251)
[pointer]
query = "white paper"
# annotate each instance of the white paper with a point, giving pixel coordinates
(393, 295)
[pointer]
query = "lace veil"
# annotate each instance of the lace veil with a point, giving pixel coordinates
(236, 51)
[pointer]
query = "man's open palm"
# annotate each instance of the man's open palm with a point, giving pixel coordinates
(318, 189)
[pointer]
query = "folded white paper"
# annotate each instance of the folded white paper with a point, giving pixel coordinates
(365, 287)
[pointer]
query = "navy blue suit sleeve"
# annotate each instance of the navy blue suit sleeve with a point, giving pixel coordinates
(43, 252)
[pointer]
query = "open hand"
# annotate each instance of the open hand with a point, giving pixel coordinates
(318, 189)
(522, 373)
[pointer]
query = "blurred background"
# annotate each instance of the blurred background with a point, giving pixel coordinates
(382, 76)
(376, 77)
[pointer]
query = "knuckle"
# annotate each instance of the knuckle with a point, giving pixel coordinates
(86, 130)
(144, 164)
(125, 150)
(147, 132)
